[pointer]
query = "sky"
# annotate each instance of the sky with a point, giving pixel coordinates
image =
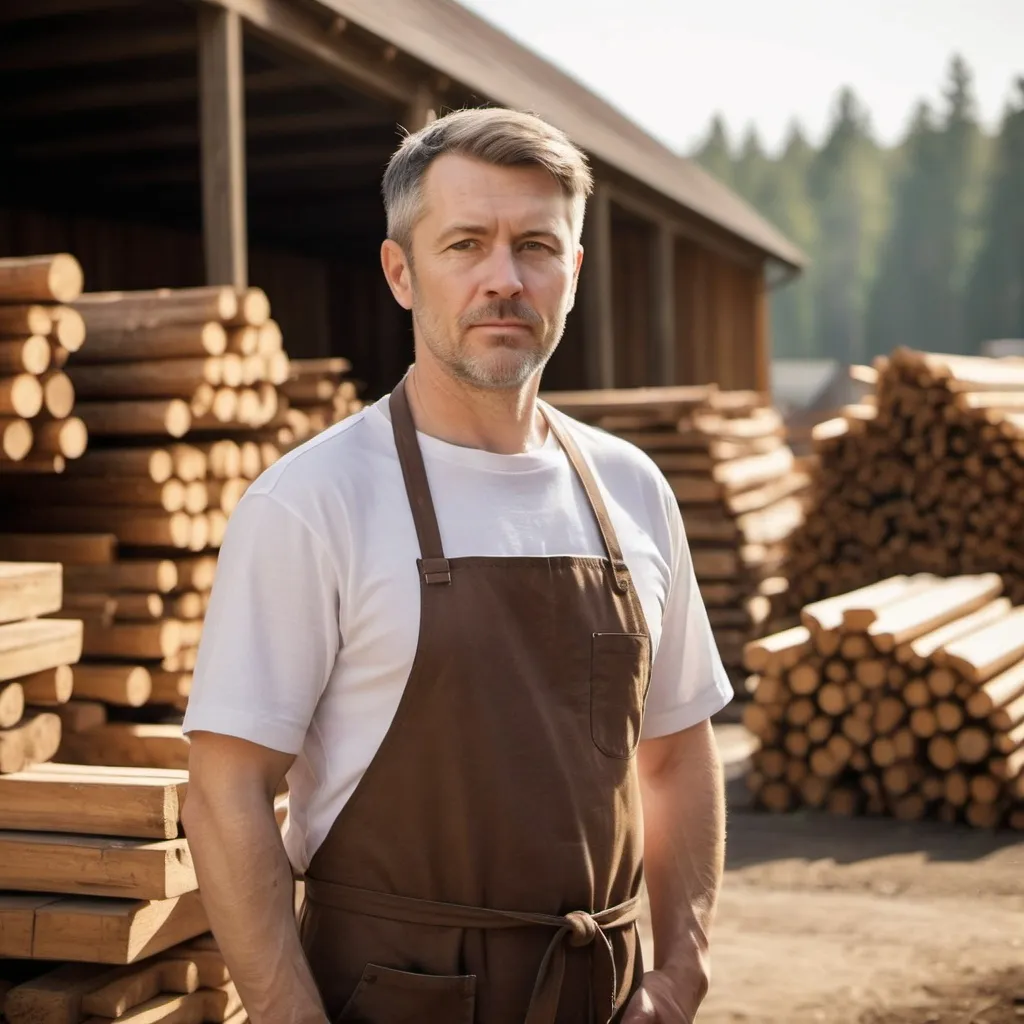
(671, 64)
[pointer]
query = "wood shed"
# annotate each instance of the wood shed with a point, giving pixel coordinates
(170, 143)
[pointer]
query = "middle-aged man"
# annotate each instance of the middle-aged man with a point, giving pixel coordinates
(468, 630)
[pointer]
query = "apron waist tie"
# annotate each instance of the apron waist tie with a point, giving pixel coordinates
(578, 928)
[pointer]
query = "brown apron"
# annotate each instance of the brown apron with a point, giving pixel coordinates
(487, 868)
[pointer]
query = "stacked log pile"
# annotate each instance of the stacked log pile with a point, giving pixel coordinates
(737, 483)
(905, 698)
(96, 874)
(927, 476)
(38, 332)
(36, 655)
(176, 387)
(318, 395)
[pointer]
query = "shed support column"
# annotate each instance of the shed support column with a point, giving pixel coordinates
(421, 111)
(762, 336)
(664, 304)
(599, 327)
(222, 118)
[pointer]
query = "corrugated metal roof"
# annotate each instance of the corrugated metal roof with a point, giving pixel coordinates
(462, 45)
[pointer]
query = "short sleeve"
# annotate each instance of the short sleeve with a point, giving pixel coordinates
(688, 680)
(271, 636)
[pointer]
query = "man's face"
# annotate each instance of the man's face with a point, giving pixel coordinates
(493, 270)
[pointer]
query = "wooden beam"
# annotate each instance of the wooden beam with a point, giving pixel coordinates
(188, 135)
(120, 94)
(222, 121)
(24, 10)
(303, 34)
(598, 325)
(371, 157)
(716, 240)
(663, 288)
(81, 49)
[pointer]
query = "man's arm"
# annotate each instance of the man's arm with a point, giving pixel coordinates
(245, 876)
(684, 836)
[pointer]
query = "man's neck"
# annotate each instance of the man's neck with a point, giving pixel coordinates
(503, 421)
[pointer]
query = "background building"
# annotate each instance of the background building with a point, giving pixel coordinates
(172, 143)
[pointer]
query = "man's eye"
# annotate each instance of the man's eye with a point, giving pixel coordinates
(535, 246)
(463, 244)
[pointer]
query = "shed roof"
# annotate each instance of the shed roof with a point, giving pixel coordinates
(469, 49)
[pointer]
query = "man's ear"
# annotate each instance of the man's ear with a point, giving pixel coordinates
(397, 272)
(575, 277)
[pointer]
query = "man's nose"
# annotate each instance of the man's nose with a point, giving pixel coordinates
(502, 278)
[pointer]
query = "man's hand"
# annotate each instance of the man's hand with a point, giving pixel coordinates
(684, 832)
(245, 877)
(658, 1001)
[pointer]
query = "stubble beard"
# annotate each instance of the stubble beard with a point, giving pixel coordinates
(509, 362)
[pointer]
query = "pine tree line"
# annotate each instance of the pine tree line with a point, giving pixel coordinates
(921, 244)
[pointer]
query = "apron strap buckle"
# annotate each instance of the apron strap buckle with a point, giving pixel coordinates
(435, 570)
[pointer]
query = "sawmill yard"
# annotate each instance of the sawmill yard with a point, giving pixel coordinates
(865, 920)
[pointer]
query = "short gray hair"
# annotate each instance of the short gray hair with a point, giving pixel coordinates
(494, 135)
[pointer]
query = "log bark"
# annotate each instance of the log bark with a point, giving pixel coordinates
(56, 278)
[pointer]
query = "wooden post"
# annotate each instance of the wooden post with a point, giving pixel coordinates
(663, 271)
(421, 111)
(762, 336)
(222, 117)
(598, 321)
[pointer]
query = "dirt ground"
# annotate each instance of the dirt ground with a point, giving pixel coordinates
(865, 921)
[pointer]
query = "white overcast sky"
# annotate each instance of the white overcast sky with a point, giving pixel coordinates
(671, 64)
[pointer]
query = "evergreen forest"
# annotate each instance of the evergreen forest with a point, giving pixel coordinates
(920, 244)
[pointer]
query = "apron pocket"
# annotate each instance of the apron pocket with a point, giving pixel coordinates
(387, 996)
(620, 671)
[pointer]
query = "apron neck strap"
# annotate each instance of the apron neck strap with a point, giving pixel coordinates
(434, 566)
(594, 496)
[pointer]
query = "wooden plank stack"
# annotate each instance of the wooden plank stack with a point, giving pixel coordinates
(737, 482)
(925, 476)
(36, 655)
(905, 697)
(128, 660)
(38, 332)
(318, 395)
(95, 875)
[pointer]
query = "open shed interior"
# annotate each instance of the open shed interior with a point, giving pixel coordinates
(103, 157)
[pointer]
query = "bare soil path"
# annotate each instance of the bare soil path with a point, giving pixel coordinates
(865, 921)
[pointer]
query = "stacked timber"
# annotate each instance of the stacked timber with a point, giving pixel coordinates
(905, 698)
(737, 483)
(136, 642)
(38, 332)
(177, 386)
(318, 395)
(36, 655)
(926, 476)
(161, 363)
(97, 877)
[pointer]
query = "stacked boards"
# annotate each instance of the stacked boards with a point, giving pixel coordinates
(926, 475)
(36, 655)
(737, 483)
(38, 333)
(95, 874)
(905, 697)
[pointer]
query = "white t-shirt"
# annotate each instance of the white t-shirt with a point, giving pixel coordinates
(314, 615)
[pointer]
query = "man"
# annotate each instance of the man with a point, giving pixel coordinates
(467, 628)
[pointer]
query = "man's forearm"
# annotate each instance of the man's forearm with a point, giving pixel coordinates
(684, 838)
(246, 883)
